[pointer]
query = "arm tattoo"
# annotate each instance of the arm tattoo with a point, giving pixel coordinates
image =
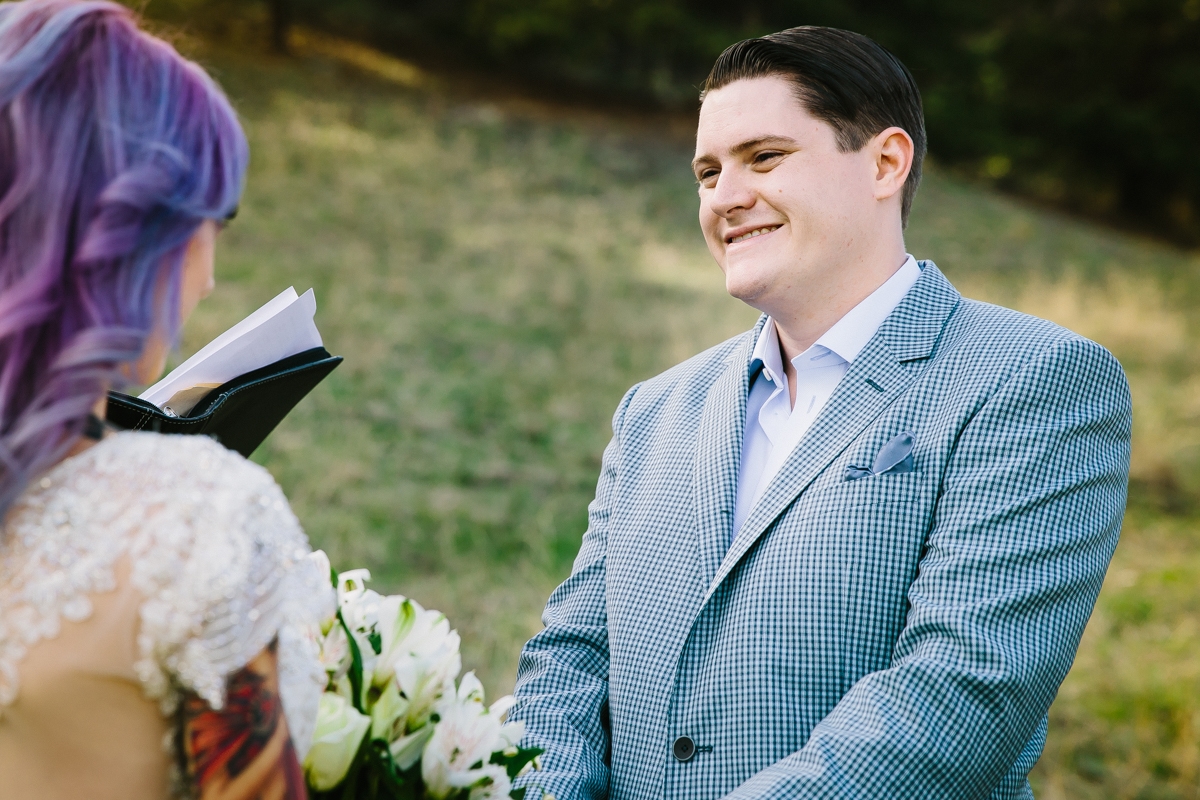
(243, 751)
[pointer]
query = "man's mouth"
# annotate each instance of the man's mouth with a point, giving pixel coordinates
(751, 234)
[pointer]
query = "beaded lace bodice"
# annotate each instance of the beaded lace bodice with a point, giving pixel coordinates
(212, 547)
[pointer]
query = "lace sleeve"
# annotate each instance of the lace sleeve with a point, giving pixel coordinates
(225, 569)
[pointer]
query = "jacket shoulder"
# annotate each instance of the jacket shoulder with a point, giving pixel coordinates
(997, 342)
(977, 325)
(686, 383)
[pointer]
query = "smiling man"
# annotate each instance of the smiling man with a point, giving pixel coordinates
(849, 553)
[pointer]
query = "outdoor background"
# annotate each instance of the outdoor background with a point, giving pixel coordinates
(493, 203)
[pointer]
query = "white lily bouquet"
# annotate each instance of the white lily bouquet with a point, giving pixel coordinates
(392, 722)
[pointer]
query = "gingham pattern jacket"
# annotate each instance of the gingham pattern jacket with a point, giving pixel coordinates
(896, 636)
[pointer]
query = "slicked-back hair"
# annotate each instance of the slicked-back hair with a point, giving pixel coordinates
(842, 78)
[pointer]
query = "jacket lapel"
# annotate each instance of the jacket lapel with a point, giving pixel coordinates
(719, 453)
(876, 378)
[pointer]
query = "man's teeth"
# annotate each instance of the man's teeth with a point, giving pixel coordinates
(753, 233)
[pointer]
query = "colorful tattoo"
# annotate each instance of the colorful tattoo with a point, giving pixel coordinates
(243, 751)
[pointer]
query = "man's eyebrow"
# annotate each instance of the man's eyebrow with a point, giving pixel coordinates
(749, 144)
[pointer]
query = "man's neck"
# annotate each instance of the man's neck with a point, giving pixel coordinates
(800, 324)
(799, 330)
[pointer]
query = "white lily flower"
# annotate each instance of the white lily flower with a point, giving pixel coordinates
(512, 733)
(412, 676)
(336, 739)
(388, 713)
(396, 616)
(462, 744)
(470, 689)
(360, 609)
(351, 584)
(493, 783)
(424, 661)
(502, 706)
(334, 653)
(364, 620)
(407, 749)
(321, 562)
(424, 680)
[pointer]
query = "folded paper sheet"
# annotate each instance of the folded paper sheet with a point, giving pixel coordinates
(281, 328)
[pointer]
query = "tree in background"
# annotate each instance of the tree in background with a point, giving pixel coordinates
(281, 23)
(1092, 106)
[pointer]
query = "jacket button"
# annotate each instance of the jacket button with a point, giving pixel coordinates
(683, 748)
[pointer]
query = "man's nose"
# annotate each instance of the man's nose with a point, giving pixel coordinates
(732, 193)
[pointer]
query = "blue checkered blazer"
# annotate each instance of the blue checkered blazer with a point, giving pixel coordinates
(895, 636)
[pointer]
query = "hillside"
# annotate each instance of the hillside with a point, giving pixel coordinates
(496, 276)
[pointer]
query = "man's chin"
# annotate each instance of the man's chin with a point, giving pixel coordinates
(744, 287)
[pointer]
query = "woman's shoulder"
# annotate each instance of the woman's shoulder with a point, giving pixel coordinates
(189, 492)
(210, 539)
(134, 492)
(219, 556)
(171, 463)
(158, 485)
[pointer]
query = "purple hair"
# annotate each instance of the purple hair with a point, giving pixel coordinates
(113, 151)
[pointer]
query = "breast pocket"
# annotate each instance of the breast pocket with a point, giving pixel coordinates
(899, 492)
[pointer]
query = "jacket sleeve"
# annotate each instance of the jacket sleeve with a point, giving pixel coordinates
(1032, 500)
(562, 677)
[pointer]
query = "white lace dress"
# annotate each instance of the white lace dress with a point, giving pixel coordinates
(144, 567)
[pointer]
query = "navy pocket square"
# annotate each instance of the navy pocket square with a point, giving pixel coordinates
(894, 458)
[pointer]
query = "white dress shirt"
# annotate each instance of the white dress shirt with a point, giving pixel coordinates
(773, 427)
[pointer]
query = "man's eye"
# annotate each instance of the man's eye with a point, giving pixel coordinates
(706, 176)
(766, 156)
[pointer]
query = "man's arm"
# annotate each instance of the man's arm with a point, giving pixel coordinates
(562, 679)
(1031, 507)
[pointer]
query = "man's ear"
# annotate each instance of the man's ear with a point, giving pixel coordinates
(893, 151)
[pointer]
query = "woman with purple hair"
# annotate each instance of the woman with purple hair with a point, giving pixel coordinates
(156, 594)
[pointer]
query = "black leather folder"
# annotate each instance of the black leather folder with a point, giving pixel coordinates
(239, 414)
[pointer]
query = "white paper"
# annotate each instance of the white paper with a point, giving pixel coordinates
(281, 328)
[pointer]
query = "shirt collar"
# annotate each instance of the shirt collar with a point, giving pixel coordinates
(850, 334)
(766, 352)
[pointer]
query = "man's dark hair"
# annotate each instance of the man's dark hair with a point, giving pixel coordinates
(842, 78)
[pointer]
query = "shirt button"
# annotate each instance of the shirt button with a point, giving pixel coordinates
(683, 748)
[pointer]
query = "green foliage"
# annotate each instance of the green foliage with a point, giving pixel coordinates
(373, 775)
(1089, 105)
(496, 283)
(516, 760)
(356, 666)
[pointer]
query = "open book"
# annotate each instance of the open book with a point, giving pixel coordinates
(241, 384)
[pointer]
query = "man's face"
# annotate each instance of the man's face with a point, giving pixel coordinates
(782, 208)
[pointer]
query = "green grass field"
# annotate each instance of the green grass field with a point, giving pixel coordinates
(496, 278)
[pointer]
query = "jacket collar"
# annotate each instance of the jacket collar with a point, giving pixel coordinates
(911, 331)
(719, 451)
(888, 363)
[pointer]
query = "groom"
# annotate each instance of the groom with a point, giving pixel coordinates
(849, 553)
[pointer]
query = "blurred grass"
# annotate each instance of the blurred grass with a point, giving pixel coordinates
(496, 280)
